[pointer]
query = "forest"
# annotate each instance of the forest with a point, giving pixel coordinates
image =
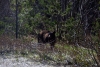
(76, 24)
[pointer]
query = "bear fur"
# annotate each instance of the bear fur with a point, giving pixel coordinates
(47, 37)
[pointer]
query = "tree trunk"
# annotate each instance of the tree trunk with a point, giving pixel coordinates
(4, 9)
(98, 53)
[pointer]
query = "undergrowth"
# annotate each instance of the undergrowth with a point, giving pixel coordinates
(63, 54)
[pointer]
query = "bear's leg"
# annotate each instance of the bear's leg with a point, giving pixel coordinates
(52, 46)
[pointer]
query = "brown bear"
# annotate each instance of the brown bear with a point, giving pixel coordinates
(47, 37)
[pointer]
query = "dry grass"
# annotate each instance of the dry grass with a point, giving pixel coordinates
(62, 53)
(13, 44)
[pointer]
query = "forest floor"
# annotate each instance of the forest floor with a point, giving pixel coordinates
(19, 61)
(27, 53)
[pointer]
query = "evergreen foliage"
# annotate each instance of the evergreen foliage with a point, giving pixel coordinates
(75, 21)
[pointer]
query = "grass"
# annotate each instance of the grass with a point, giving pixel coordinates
(62, 52)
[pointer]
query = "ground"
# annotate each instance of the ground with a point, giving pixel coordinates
(19, 61)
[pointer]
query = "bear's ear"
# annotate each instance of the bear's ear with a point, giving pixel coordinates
(54, 32)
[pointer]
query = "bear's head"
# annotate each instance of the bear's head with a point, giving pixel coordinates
(47, 37)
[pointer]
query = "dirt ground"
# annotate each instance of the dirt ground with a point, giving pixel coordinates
(18, 61)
